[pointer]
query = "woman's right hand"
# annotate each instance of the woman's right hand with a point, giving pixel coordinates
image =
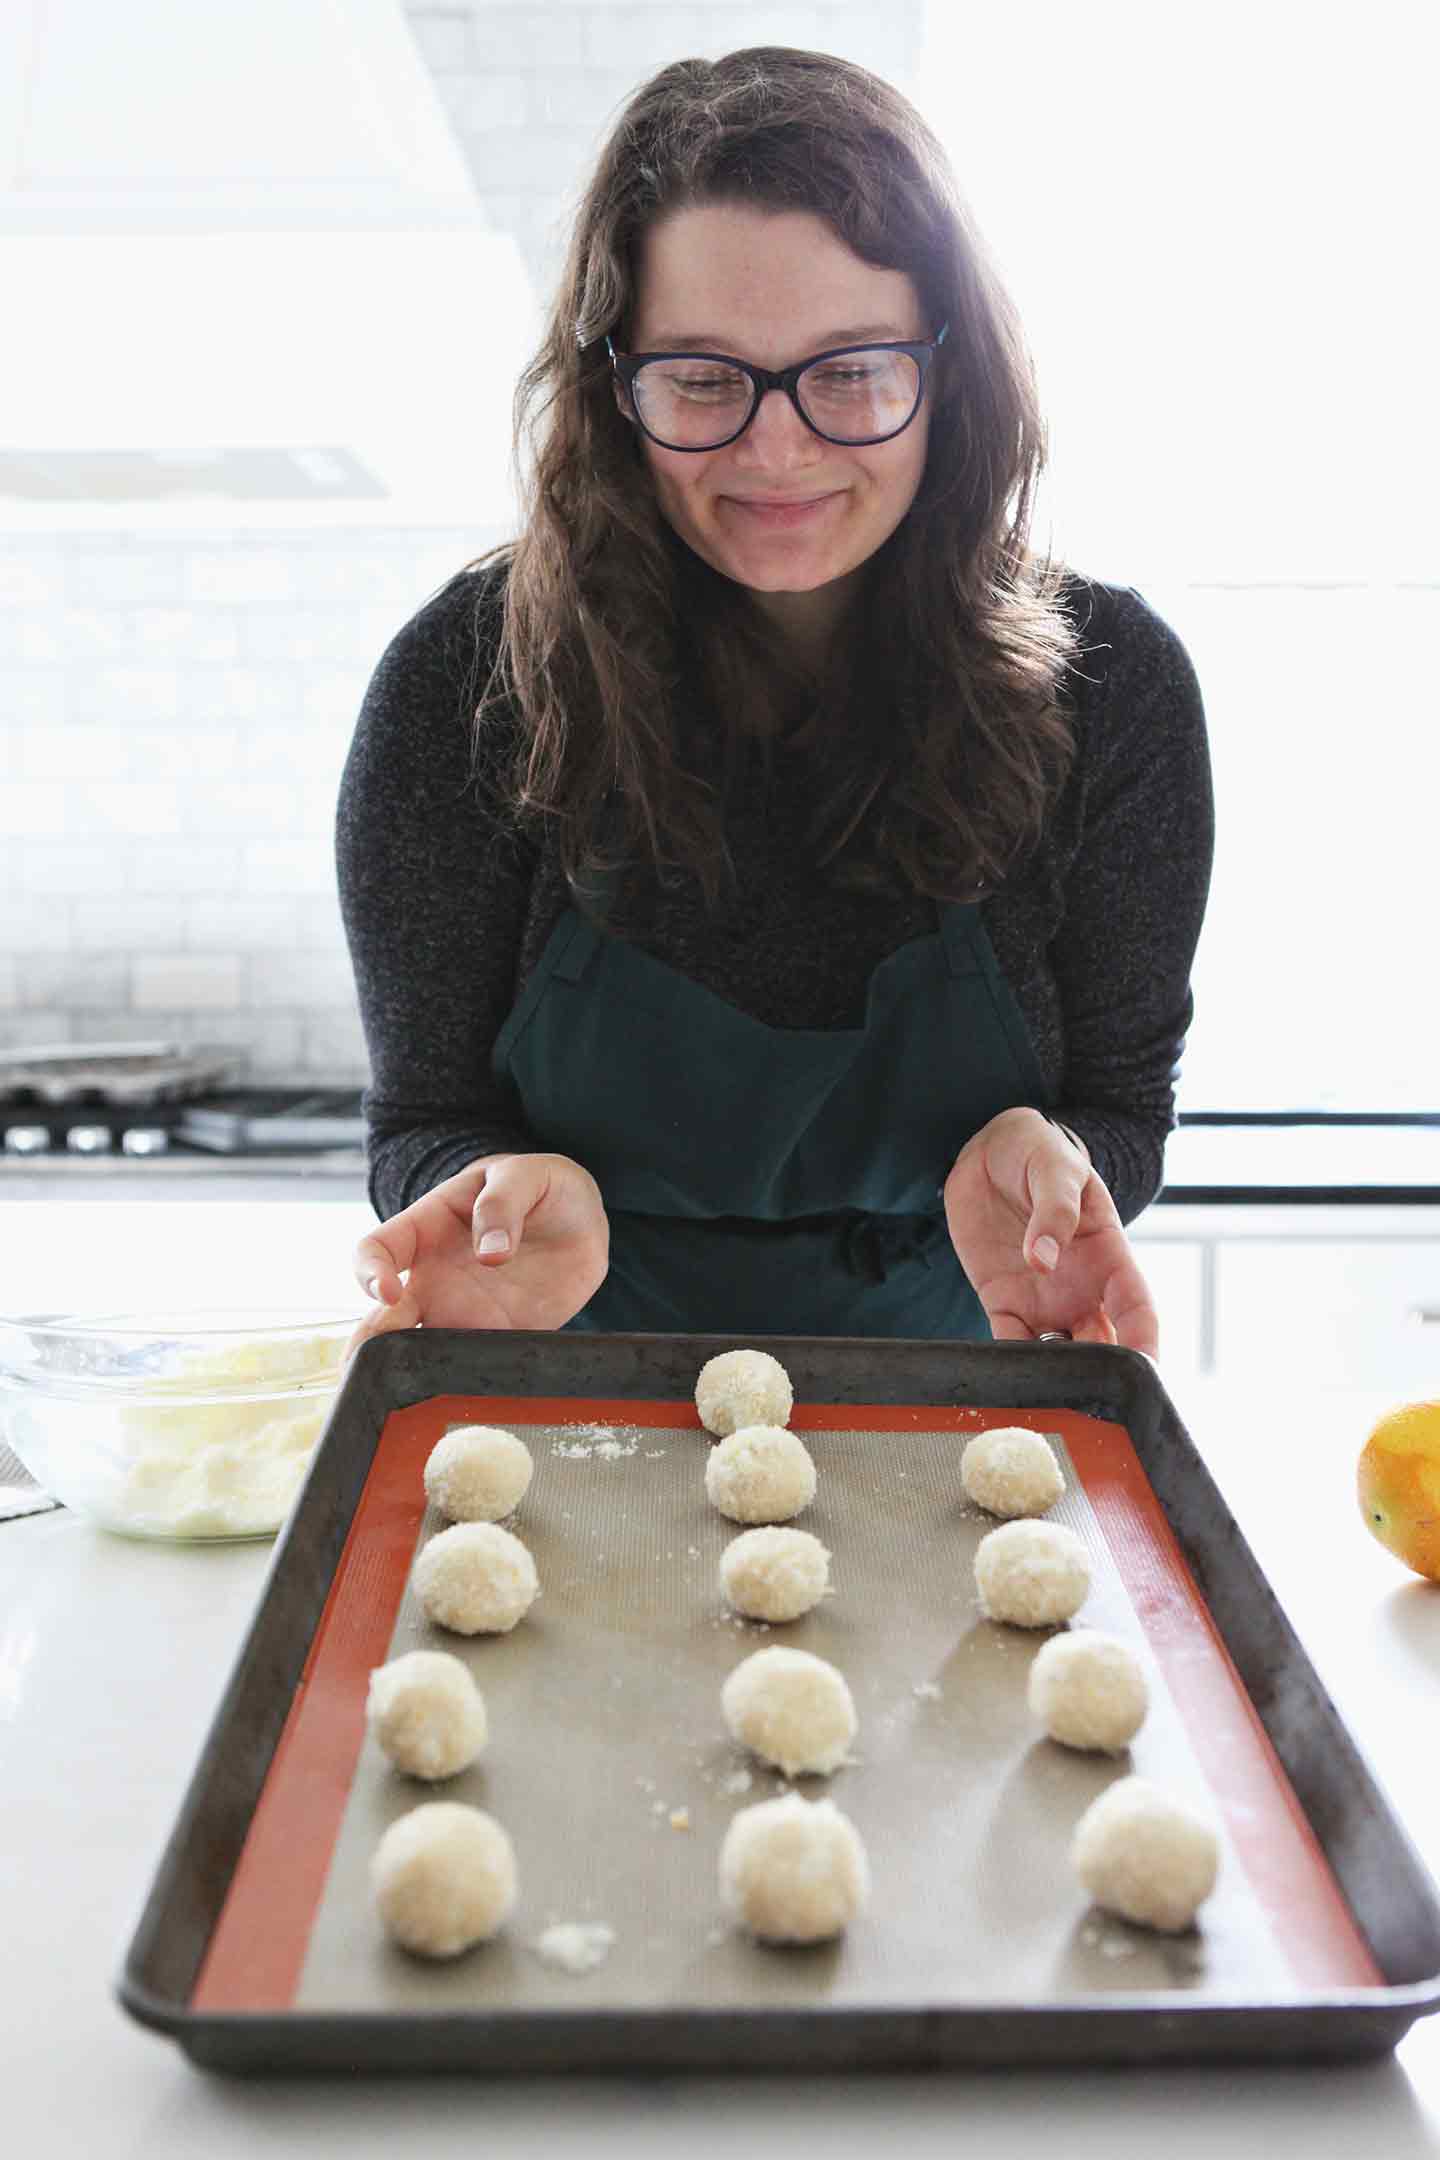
(546, 1240)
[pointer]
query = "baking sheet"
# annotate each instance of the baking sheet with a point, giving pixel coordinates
(605, 1721)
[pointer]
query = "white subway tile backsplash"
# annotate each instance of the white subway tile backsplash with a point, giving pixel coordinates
(636, 40)
(87, 752)
(330, 636)
(753, 22)
(279, 866)
(495, 101)
(65, 980)
(383, 579)
(334, 1043)
(305, 977)
(36, 1030)
(32, 924)
(146, 634)
(138, 808)
(32, 583)
(183, 868)
(38, 808)
(188, 982)
(126, 695)
(93, 1024)
(29, 640)
(241, 579)
(9, 983)
(272, 1043)
(332, 697)
(254, 807)
(30, 696)
(239, 694)
(523, 36)
(117, 576)
(241, 922)
(583, 98)
(48, 869)
(532, 162)
(126, 924)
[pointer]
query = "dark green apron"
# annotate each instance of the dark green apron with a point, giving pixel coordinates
(761, 1180)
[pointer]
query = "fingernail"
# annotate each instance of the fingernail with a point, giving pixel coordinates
(494, 1241)
(372, 1287)
(1047, 1252)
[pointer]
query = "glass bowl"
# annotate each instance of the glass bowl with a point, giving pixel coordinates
(171, 1424)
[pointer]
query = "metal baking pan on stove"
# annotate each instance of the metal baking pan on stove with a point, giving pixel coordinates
(609, 1763)
(138, 1073)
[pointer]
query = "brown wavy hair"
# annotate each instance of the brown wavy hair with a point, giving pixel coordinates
(941, 707)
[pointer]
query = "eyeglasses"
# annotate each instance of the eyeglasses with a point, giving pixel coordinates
(855, 394)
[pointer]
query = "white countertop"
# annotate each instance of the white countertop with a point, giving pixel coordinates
(112, 1660)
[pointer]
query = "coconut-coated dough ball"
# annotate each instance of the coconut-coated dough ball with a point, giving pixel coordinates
(760, 1474)
(774, 1574)
(743, 1387)
(1010, 1471)
(426, 1713)
(1145, 1856)
(1032, 1574)
(792, 1708)
(476, 1579)
(1088, 1691)
(793, 1870)
(443, 1877)
(478, 1473)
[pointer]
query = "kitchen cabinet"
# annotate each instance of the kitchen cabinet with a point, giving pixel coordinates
(1349, 1294)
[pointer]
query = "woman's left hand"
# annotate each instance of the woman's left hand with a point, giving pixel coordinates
(1038, 1235)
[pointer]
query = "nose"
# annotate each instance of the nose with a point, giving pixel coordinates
(778, 435)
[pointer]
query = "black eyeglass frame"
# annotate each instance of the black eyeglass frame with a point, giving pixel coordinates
(627, 366)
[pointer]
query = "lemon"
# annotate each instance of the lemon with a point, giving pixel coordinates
(1398, 1485)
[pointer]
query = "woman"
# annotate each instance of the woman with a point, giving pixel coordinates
(772, 890)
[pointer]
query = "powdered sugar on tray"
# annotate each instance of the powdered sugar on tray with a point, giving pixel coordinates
(594, 1440)
(577, 1946)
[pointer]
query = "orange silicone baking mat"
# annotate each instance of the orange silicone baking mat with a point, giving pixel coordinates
(609, 1764)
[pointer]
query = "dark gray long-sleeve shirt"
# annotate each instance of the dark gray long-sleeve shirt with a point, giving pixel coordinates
(447, 910)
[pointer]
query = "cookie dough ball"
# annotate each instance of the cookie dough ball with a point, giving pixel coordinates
(774, 1574)
(478, 1473)
(760, 1474)
(1145, 1856)
(793, 1870)
(476, 1579)
(443, 1877)
(1088, 1691)
(426, 1713)
(1010, 1471)
(743, 1387)
(793, 1709)
(1032, 1574)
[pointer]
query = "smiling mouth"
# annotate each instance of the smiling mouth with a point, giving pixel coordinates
(786, 510)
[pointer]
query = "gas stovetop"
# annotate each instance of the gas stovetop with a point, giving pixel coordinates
(259, 1120)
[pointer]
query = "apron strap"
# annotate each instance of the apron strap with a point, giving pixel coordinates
(968, 951)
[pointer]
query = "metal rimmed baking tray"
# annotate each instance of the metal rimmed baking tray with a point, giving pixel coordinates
(258, 1949)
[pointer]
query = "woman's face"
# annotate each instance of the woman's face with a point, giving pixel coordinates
(780, 511)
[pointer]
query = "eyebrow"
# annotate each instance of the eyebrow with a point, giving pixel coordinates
(706, 340)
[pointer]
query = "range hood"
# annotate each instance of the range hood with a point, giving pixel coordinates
(247, 279)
